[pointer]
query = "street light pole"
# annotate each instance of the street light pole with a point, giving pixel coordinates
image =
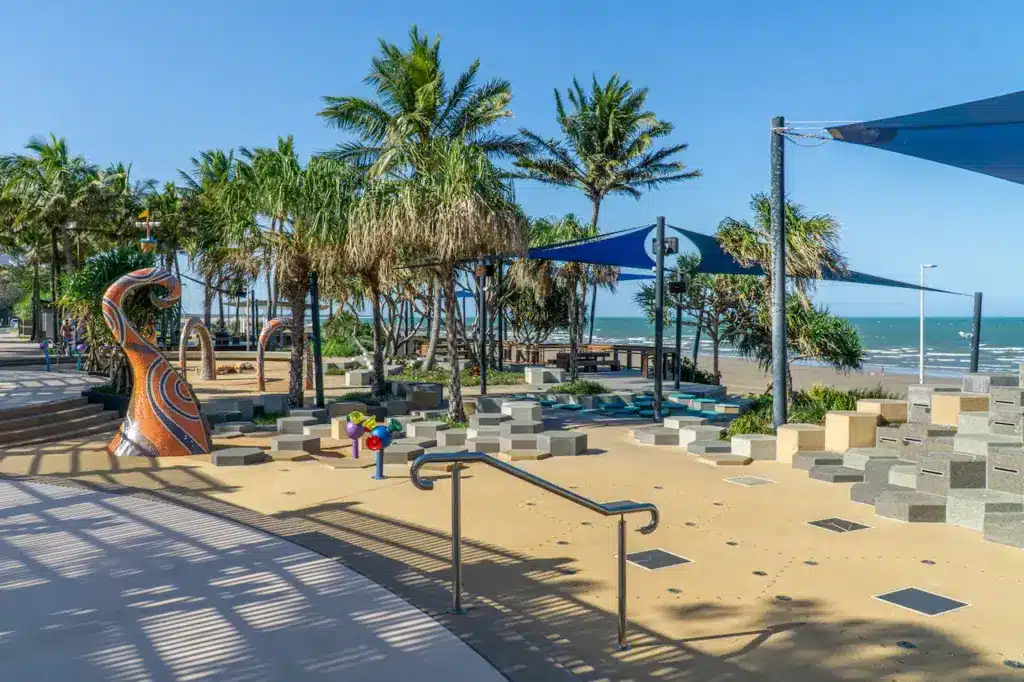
(920, 364)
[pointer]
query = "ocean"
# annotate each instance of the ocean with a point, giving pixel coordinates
(889, 342)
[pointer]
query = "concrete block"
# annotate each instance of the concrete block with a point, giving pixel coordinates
(424, 396)
(319, 415)
(904, 475)
(719, 447)
(342, 408)
(699, 432)
(295, 443)
(233, 457)
(889, 411)
(969, 507)
(889, 437)
(294, 425)
(426, 429)
(536, 376)
(274, 403)
(946, 407)
(982, 382)
(587, 402)
(319, 430)
(513, 427)
(982, 444)
(794, 438)
(562, 443)
(805, 460)
(519, 441)
(523, 455)
(488, 404)
(833, 473)
(1005, 528)
(911, 506)
(848, 429)
(940, 472)
(451, 438)
(489, 444)
(401, 453)
(522, 410)
(393, 370)
(1006, 422)
(396, 407)
(424, 443)
(377, 412)
(358, 377)
(229, 429)
(610, 400)
(868, 492)
(1005, 471)
(754, 445)
(656, 435)
(858, 458)
(720, 459)
(1006, 397)
(682, 422)
(728, 408)
(487, 419)
(876, 470)
(919, 414)
(245, 407)
(973, 422)
(214, 417)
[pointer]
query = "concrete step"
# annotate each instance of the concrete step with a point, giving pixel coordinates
(656, 435)
(911, 506)
(109, 426)
(940, 472)
(1005, 528)
(969, 507)
(712, 448)
(29, 410)
(857, 458)
(805, 460)
(973, 422)
(868, 492)
(835, 473)
(57, 430)
(720, 459)
(983, 443)
(877, 470)
(904, 476)
(50, 416)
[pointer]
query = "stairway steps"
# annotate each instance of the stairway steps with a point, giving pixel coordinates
(835, 473)
(50, 416)
(104, 427)
(911, 506)
(29, 410)
(55, 431)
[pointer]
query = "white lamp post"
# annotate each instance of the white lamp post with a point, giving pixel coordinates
(920, 366)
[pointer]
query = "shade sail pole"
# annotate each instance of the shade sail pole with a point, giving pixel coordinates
(976, 332)
(659, 314)
(778, 220)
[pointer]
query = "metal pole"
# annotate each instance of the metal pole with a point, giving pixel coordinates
(457, 609)
(318, 357)
(679, 332)
(778, 220)
(920, 350)
(696, 346)
(501, 319)
(483, 334)
(976, 332)
(659, 314)
(622, 643)
(593, 309)
(250, 321)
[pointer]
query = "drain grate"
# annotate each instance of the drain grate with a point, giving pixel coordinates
(920, 601)
(749, 481)
(837, 525)
(656, 559)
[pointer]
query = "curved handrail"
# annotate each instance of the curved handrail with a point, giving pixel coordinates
(608, 509)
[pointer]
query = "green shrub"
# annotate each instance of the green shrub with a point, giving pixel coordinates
(340, 347)
(468, 377)
(266, 418)
(702, 377)
(363, 397)
(807, 407)
(334, 370)
(581, 387)
(758, 419)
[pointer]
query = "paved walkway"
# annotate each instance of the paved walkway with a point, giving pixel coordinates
(111, 587)
(21, 388)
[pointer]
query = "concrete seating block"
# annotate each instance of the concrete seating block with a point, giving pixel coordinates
(710, 447)
(234, 457)
(946, 407)
(683, 421)
(1005, 422)
(342, 408)
(451, 438)
(610, 400)
(1005, 471)
(868, 492)
(754, 445)
(1005, 528)
(274, 403)
(968, 507)
(728, 408)
(338, 428)
(973, 422)
(396, 407)
(487, 419)
(294, 425)
(889, 437)
(876, 470)
(359, 377)
(319, 430)
(857, 458)
(519, 441)
(483, 431)
(430, 415)
(982, 382)
(426, 429)
(522, 410)
(523, 455)
(724, 459)
(244, 406)
(562, 443)
(805, 460)
(214, 417)
(1005, 397)
(889, 411)
(536, 376)
(424, 396)
(921, 394)
(229, 429)
(919, 414)
(982, 444)
(848, 429)
(424, 443)
(485, 443)
(835, 473)
(488, 404)
(401, 453)
(940, 472)
(698, 433)
(317, 414)
(656, 435)
(903, 475)
(513, 427)
(794, 438)
(911, 506)
(295, 443)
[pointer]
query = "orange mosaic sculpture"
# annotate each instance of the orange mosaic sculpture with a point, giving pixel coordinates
(163, 418)
(271, 326)
(208, 362)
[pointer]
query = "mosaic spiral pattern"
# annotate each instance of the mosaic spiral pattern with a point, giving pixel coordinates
(271, 326)
(208, 362)
(163, 418)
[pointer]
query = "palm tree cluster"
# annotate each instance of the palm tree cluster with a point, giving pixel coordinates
(395, 217)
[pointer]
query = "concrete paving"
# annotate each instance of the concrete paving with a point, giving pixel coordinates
(22, 388)
(101, 587)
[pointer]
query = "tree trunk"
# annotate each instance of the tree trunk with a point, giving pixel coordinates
(267, 277)
(790, 389)
(455, 410)
(68, 258)
(298, 287)
(596, 210)
(208, 300)
(715, 343)
(574, 320)
(593, 309)
(379, 387)
(220, 308)
(435, 323)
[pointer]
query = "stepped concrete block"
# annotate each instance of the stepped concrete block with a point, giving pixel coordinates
(982, 382)
(1005, 471)
(1005, 528)
(1006, 397)
(521, 410)
(888, 411)
(848, 429)
(754, 445)
(523, 455)
(876, 470)
(982, 444)
(378, 413)
(451, 438)
(562, 443)
(889, 437)
(401, 453)
(904, 476)
(794, 438)
(921, 394)
(682, 422)
(426, 429)
(519, 441)
(911, 506)
(488, 404)
(235, 457)
(487, 419)
(712, 447)
(396, 407)
(699, 433)
(946, 407)
(430, 415)
(342, 408)
(274, 403)
(234, 428)
(868, 492)
(587, 402)
(805, 460)
(214, 417)
(358, 377)
(919, 414)
(488, 444)
(544, 375)
(940, 472)
(319, 430)
(483, 432)
(424, 443)
(973, 422)
(724, 459)
(338, 428)
(514, 427)
(728, 408)
(424, 396)
(610, 400)
(835, 473)
(858, 458)
(294, 425)
(317, 414)
(1006, 422)
(656, 435)
(968, 507)
(244, 406)
(295, 443)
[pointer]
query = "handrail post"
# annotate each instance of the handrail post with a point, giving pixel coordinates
(457, 541)
(623, 645)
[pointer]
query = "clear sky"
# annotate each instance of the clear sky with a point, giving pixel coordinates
(155, 82)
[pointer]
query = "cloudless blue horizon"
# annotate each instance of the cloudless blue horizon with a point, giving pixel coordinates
(155, 83)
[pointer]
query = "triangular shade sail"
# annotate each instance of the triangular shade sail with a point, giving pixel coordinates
(986, 136)
(628, 276)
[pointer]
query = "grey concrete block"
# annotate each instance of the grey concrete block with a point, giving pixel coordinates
(857, 458)
(904, 476)
(245, 407)
(1005, 397)
(968, 508)
(562, 443)
(378, 412)
(214, 417)
(876, 470)
(982, 444)
(294, 425)
(234, 429)
(911, 506)
(1006, 528)
(426, 429)
(488, 404)
(973, 422)
(1005, 471)
(321, 416)
(610, 400)
(401, 453)
(233, 457)
(274, 403)
(417, 442)
(868, 492)
(712, 447)
(424, 396)
(358, 377)
(656, 435)
(487, 419)
(451, 438)
(981, 382)
(919, 414)
(519, 441)
(483, 432)
(758, 446)
(396, 407)
(704, 432)
(521, 410)
(833, 473)
(511, 428)
(318, 430)
(888, 437)
(1005, 422)
(724, 459)
(488, 444)
(805, 460)
(682, 422)
(295, 443)
(342, 408)
(940, 472)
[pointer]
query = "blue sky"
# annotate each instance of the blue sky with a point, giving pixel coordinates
(154, 83)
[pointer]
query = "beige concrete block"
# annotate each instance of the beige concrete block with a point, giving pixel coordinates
(889, 411)
(845, 430)
(792, 438)
(523, 455)
(946, 407)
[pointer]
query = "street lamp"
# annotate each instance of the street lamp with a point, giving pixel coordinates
(920, 365)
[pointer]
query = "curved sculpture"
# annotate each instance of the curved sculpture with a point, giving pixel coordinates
(208, 363)
(163, 418)
(269, 328)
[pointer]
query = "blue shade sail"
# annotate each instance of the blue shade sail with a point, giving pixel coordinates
(985, 136)
(627, 276)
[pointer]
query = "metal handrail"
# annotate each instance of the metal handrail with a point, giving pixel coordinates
(620, 509)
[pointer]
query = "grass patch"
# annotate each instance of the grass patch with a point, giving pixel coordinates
(581, 387)
(468, 377)
(454, 423)
(807, 407)
(364, 397)
(334, 371)
(266, 418)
